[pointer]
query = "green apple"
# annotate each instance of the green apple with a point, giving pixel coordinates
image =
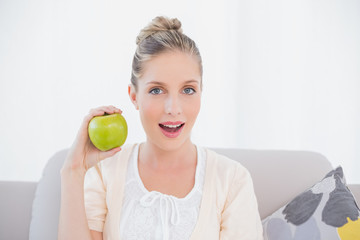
(108, 131)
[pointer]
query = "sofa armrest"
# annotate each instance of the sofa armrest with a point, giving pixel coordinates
(15, 209)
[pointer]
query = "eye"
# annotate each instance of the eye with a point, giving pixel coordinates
(189, 91)
(155, 91)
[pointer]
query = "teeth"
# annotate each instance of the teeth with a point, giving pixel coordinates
(172, 126)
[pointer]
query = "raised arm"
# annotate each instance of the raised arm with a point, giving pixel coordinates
(83, 155)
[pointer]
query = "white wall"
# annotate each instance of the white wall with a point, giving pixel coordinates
(277, 74)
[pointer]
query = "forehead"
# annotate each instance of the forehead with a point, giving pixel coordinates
(171, 67)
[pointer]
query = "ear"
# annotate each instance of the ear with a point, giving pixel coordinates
(133, 96)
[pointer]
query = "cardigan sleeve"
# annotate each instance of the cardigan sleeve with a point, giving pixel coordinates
(240, 217)
(95, 199)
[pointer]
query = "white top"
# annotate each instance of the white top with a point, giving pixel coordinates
(228, 209)
(157, 216)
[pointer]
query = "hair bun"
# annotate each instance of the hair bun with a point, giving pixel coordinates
(159, 23)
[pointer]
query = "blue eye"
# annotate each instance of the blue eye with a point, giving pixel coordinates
(189, 91)
(155, 91)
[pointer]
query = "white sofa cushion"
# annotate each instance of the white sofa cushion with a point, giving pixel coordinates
(46, 205)
(278, 177)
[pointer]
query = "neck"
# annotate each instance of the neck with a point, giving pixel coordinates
(158, 158)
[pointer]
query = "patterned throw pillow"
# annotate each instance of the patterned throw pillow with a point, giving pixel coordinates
(327, 211)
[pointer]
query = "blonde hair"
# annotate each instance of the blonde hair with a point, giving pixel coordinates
(161, 35)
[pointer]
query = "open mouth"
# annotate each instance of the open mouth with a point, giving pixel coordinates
(171, 128)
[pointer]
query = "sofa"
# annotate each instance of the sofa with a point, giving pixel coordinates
(30, 210)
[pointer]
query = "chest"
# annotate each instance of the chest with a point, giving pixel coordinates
(176, 182)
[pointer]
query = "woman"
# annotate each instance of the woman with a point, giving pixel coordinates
(166, 187)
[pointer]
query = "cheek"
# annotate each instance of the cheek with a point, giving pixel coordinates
(194, 108)
(149, 110)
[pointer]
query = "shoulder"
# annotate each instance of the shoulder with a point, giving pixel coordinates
(119, 157)
(227, 178)
(110, 168)
(226, 167)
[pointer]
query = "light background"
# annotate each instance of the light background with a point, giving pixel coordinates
(277, 74)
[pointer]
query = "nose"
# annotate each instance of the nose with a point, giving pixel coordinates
(173, 106)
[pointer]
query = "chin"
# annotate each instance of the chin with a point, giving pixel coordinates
(171, 144)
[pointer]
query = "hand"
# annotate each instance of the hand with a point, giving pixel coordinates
(83, 154)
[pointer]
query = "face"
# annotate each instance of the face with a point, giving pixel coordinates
(168, 98)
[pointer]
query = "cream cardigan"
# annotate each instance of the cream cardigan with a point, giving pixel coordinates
(228, 208)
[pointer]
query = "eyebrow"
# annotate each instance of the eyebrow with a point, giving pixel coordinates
(161, 83)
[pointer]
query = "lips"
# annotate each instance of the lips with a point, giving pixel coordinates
(171, 129)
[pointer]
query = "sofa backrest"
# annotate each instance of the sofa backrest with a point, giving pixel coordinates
(16, 200)
(46, 205)
(278, 177)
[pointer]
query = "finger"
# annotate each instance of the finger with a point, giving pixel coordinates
(99, 109)
(93, 113)
(105, 109)
(109, 109)
(112, 109)
(109, 153)
(115, 109)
